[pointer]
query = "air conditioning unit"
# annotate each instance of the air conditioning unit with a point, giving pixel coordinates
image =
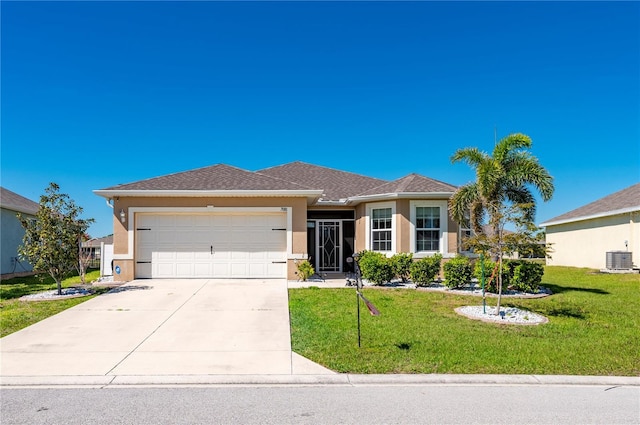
(619, 260)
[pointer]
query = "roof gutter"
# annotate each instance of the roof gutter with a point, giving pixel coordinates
(401, 195)
(312, 195)
(591, 216)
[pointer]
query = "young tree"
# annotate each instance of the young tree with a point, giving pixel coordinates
(501, 194)
(84, 257)
(500, 244)
(51, 240)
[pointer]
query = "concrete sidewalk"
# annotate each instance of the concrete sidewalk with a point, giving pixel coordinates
(123, 381)
(163, 328)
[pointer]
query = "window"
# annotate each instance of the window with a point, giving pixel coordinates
(427, 228)
(465, 234)
(381, 233)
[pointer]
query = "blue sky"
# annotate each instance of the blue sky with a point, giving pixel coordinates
(100, 93)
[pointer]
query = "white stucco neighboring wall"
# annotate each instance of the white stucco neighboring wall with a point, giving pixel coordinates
(584, 243)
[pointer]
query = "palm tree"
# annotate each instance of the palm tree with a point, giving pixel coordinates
(506, 177)
(502, 190)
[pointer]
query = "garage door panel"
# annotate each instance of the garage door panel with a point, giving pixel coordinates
(211, 245)
(163, 270)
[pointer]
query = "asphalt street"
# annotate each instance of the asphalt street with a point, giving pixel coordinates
(325, 404)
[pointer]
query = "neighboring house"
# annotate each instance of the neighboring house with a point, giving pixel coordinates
(582, 237)
(222, 221)
(12, 231)
(93, 249)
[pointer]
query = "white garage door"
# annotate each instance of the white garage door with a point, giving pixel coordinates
(211, 245)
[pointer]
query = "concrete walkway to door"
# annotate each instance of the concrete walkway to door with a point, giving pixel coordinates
(164, 327)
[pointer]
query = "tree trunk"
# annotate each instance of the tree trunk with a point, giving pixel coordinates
(59, 283)
(499, 286)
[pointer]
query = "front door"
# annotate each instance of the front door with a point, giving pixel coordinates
(328, 251)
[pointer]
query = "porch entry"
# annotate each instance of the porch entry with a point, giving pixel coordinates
(330, 240)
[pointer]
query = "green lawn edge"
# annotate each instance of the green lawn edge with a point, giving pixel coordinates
(16, 314)
(593, 329)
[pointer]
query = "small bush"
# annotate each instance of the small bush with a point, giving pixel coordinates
(491, 285)
(457, 272)
(375, 267)
(424, 271)
(527, 276)
(305, 270)
(401, 264)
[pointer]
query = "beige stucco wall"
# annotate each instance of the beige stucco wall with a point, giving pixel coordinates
(585, 243)
(120, 230)
(403, 217)
(360, 228)
(403, 227)
(299, 224)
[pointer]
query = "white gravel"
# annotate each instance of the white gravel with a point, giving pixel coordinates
(508, 315)
(52, 295)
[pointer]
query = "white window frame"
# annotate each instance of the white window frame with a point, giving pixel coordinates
(461, 234)
(369, 227)
(444, 228)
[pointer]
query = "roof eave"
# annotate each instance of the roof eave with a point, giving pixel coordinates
(312, 195)
(20, 210)
(591, 216)
(401, 195)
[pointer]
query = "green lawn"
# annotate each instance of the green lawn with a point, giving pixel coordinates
(593, 329)
(16, 314)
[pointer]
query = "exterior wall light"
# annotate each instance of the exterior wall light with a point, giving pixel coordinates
(123, 217)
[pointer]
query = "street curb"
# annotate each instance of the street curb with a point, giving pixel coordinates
(123, 381)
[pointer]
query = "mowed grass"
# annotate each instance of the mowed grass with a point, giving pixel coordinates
(16, 314)
(593, 329)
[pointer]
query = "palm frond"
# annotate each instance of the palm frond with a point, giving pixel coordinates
(461, 201)
(511, 143)
(471, 156)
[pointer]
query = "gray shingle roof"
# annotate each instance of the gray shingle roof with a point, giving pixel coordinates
(413, 183)
(215, 177)
(14, 202)
(96, 242)
(623, 200)
(336, 184)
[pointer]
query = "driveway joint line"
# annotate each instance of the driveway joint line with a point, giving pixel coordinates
(157, 327)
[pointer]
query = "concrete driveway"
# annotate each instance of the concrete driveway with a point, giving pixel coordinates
(164, 327)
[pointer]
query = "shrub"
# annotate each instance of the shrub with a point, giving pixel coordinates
(375, 267)
(491, 285)
(305, 270)
(527, 276)
(401, 264)
(457, 272)
(424, 271)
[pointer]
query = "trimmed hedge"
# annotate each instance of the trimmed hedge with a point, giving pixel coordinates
(375, 267)
(518, 275)
(457, 272)
(424, 271)
(401, 264)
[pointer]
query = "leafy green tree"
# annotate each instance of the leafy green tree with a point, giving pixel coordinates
(502, 193)
(52, 240)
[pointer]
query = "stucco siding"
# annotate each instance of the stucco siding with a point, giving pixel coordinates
(585, 243)
(403, 224)
(11, 232)
(123, 248)
(361, 228)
